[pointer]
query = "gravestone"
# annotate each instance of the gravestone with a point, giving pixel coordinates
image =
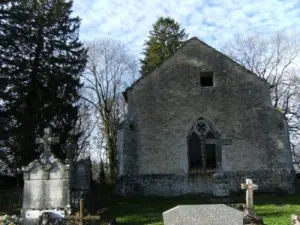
(46, 184)
(218, 214)
(81, 183)
(249, 187)
(250, 216)
(82, 174)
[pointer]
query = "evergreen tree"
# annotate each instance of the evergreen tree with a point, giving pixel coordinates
(165, 38)
(43, 59)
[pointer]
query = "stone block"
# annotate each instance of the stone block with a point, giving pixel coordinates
(218, 214)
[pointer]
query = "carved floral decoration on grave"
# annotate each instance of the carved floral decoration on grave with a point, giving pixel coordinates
(47, 158)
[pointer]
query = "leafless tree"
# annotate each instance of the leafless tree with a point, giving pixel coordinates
(84, 127)
(109, 70)
(100, 164)
(275, 58)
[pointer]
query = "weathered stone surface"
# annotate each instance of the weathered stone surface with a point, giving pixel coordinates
(163, 106)
(46, 188)
(81, 174)
(249, 186)
(220, 186)
(33, 196)
(221, 189)
(57, 195)
(202, 215)
(46, 182)
(179, 184)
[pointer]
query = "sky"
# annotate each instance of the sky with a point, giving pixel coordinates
(213, 21)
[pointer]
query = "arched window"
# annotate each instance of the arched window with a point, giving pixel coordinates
(202, 146)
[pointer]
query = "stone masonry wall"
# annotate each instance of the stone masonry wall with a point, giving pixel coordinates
(165, 104)
(180, 184)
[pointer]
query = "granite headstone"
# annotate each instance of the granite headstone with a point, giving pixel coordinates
(218, 214)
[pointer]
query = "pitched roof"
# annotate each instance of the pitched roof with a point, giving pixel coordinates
(203, 43)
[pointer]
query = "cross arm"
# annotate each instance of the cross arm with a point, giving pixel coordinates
(244, 186)
(247, 186)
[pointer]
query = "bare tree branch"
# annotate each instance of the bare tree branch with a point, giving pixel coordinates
(109, 67)
(274, 58)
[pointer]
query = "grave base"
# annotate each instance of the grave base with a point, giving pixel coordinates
(251, 218)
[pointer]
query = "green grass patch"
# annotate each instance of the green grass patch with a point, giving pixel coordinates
(275, 209)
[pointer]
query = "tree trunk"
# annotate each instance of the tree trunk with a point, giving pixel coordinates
(111, 151)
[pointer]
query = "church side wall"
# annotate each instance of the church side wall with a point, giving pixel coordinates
(127, 155)
(165, 105)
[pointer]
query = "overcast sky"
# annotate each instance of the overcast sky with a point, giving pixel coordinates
(213, 21)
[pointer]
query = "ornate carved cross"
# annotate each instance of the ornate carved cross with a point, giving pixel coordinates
(47, 140)
(249, 187)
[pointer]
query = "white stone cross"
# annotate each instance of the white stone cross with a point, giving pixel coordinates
(46, 140)
(250, 187)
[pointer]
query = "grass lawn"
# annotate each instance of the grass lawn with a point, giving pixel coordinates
(275, 209)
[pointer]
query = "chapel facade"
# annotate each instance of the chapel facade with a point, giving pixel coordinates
(197, 114)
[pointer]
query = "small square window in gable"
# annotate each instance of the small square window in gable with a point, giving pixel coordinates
(206, 79)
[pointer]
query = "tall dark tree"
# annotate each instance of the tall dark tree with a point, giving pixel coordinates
(42, 59)
(164, 39)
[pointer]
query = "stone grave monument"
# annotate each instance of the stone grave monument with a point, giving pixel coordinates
(249, 187)
(249, 215)
(82, 174)
(46, 183)
(218, 214)
(81, 183)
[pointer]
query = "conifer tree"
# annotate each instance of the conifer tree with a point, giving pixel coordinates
(42, 60)
(164, 39)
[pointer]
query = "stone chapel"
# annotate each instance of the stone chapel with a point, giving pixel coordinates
(197, 114)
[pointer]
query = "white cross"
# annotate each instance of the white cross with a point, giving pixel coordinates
(47, 140)
(250, 187)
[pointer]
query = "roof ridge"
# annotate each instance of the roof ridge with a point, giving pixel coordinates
(187, 41)
(141, 77)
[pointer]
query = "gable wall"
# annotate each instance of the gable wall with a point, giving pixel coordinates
(165, 104)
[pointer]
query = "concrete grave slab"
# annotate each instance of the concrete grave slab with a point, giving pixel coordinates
(218, 214)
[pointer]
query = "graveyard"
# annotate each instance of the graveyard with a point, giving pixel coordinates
(64, 193)
(32, 205)
(196, 123)
(275, 209)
